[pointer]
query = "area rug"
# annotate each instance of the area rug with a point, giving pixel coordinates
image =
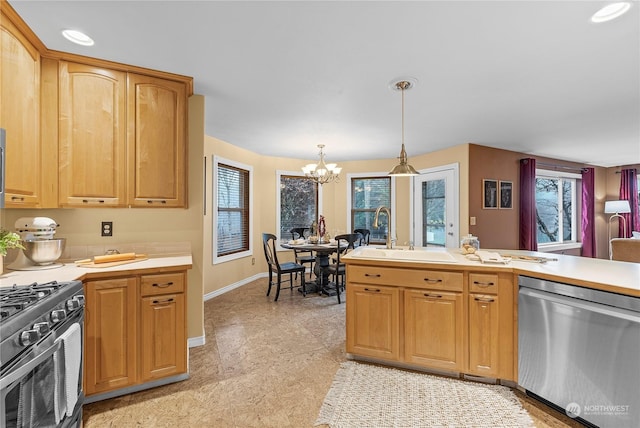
(365, 395)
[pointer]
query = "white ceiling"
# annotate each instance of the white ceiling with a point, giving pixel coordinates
(281, 77)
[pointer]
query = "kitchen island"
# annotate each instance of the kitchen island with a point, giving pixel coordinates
(454, 314)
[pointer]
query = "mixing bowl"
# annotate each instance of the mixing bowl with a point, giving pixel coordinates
(44, 251)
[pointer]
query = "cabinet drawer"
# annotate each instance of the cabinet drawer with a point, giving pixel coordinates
(417, 278)
(483, 283)
(162, 283)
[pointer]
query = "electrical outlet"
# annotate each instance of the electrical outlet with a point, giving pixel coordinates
(253, 260)
(472, 221)
(107, 228)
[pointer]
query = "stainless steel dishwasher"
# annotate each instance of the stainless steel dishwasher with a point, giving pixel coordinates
(579, 349)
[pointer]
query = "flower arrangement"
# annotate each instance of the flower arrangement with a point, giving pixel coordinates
(9, 240)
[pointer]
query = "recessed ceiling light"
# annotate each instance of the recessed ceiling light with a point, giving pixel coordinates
(611, 11)
(77, 37)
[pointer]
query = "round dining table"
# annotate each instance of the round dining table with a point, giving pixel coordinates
(323, 251)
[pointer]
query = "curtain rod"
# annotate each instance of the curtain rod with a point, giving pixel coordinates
(620, 172)
(572, 168)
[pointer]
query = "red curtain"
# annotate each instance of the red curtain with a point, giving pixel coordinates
(528, 238)
(629, 192)
(587, 223)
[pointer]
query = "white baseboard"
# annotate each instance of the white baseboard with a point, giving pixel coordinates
(192, 342)
(233, 286)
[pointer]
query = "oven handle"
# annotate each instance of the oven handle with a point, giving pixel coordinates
(23, 370)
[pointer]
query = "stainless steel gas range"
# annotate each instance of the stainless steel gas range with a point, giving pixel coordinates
(41, 365)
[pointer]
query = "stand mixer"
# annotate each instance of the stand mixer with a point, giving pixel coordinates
(41, 248)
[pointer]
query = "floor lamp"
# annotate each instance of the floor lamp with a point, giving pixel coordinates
(615, 208)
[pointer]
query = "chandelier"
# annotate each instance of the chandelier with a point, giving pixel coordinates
(322, 172)
(403, 168)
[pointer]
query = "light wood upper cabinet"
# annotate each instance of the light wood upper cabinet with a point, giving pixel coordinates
(20, 117)
(92, 157)
(156, 120)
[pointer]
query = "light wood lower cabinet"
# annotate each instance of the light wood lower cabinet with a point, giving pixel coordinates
(373, 321)
(434, 329)
(484, 339)
(163, 326)
(457, 321)
(135, 331)
(110, 323)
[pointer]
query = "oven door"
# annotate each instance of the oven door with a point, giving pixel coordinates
(33, 390)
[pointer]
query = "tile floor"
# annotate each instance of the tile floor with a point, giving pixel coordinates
(264, 364)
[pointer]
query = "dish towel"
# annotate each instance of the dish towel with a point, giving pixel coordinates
(59, 393)
(72, 344)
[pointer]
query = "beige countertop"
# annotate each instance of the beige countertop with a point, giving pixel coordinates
(69, 271)
(619, 277)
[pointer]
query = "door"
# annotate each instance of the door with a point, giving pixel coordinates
(436, 212)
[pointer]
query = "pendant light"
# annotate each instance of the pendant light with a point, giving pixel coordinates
(403, 169)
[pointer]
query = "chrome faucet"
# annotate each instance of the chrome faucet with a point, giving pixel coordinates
(375, 222)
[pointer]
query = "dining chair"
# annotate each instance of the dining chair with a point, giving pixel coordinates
(339, 269)
(302, 256)
(364, 239)
(270, 253)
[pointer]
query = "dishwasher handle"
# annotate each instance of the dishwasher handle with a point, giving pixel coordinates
(582, 304)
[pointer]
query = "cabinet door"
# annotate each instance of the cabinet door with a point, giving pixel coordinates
(110, 334)
(163, 336)
(484, 335)
(434, 329)
(20, 116)
(373, 321)
(92, 136)
(156, 136)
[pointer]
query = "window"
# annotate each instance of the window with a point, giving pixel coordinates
(556, 207)
(298, 203)
(367, 194)
(232, 189)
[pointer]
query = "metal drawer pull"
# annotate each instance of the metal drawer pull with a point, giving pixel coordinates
(150, 201)
(373, 275)
(483, 284)
(485, 300)
(165, 285)
(432, 280)
(438, 296)
(17, 198)
(372, 289)
(86, 201)
(155, 302)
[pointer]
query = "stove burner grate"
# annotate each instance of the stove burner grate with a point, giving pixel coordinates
(18, 297)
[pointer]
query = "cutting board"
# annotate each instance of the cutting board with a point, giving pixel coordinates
(89, 263)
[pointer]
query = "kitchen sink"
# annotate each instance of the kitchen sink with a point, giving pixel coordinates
(419, 254)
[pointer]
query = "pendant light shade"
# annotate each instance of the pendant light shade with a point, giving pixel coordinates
(403, 169)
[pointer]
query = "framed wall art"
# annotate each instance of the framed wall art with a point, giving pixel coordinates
(490, 194)
(506, 194)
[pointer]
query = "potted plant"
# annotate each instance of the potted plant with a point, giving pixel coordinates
(8, 240)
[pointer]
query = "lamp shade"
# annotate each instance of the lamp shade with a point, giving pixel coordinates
(616, 207)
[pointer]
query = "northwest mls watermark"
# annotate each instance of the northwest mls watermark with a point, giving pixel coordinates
(573, 410)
